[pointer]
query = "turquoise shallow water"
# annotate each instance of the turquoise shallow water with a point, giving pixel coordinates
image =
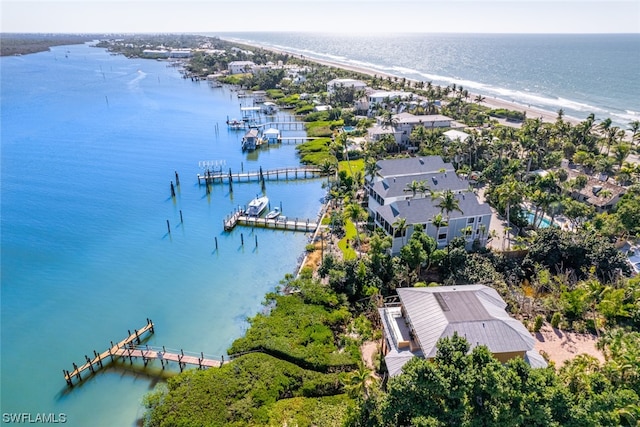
(90, 143)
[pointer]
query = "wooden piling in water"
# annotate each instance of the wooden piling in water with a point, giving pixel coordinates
(242, 239)
(173, 190)
(177, 179)
(216, 239)
(180, 216)
(168, 227)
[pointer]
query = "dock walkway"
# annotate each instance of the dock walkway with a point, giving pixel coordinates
(280, 173)
(96, 362)
(128, 348)
(279, 223)
(148, 353)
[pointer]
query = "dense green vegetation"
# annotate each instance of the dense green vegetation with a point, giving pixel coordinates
(303, 327)
(23, 44)
(572, 277)
(462, 388)
(253, 390)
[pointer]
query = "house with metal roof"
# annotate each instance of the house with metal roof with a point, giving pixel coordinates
(413, 325)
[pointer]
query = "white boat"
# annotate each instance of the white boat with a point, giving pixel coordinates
(257, 206)
(273, 214)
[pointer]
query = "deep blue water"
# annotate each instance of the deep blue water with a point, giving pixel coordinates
(90, 143)
(580, 73)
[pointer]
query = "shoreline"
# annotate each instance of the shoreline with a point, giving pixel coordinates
(491, 102)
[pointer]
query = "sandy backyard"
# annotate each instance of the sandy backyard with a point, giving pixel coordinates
(560, 346)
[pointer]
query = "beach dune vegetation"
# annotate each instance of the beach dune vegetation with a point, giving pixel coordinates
(302, 327)
(254, 390)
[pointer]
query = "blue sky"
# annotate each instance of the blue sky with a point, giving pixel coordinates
(213, 16)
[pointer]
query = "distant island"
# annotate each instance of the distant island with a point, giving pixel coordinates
(23, 44)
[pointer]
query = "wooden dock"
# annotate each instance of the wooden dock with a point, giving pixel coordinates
(277, 174)
(296, 139)
(97, 361)
(127, 348)
(288, 125)
(296, 224)
(148, 353)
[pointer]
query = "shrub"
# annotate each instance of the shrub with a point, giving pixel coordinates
(537, 324)
(556, 319)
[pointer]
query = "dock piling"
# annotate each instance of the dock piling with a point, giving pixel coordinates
(216, 240)
(256, 240)
(180, 216)
(177, 179)
(168, 227)
(173, 190)
(242, 239)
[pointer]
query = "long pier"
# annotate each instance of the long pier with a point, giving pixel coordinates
(290, 125)
(127, 348)
(280, 223)
(284, 173)
(148, 353)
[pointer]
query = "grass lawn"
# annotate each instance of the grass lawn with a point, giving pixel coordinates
(350, 233)
(356, 165)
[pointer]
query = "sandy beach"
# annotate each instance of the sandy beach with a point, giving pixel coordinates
(491, 102)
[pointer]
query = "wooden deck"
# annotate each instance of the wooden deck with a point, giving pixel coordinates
(97, 361)
(281, 173)
(156, 353)
(127, 348)
(296, 224)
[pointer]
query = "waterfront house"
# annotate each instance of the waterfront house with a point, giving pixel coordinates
(240, 67)
(345, 83)
(413, 325)
(390, 198)
(598, 192)
(405, 123)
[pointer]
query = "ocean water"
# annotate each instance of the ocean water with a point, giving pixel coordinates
(90, 143)
(580, 73)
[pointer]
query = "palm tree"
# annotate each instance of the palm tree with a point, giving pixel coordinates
(327, 168)
(509, 192)
(447, 202)
(479, 99)
(415, 187)
(355, 213)
(438, 221)
(388, 120)
(634, 127)
(400, 228)
(358, 382)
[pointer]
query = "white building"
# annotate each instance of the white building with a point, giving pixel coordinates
(347, 83)
(404, 123)
(240, 67)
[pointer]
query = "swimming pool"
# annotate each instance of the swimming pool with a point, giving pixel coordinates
(543, 224)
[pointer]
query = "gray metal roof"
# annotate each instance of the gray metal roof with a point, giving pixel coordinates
(437, 181)
(475, 312)
(412, 166)
(395, 360)
(422, 211)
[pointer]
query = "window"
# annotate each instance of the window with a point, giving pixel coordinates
(470, 220)
(442, 236)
